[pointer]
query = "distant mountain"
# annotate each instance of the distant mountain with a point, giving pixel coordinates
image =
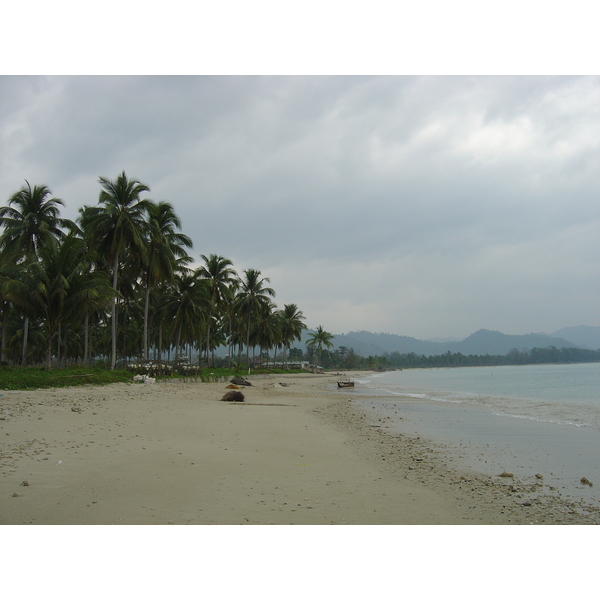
(443, 340)
(366, 343)
(494, 342)
(583, 336)
(483, 341)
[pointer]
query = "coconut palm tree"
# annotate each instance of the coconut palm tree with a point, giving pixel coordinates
(159, 316)
(252, 294)
(230, 316)
(14, 341)
(219, 275)
(116, 226)
(319, 339)
(91, 316)
(56, 287)
(164, 247)
(5, 304)
(184, 307)
(31, 220)
(266, 332)
(19, 285)
(89, 291)
(217, 339)
(20, 303)
(291, 326)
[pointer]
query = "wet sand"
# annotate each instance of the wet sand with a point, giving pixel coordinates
(292, 453)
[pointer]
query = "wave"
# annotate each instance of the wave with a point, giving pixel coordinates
(558, 413)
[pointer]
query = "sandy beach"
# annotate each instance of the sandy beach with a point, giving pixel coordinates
(295, 452)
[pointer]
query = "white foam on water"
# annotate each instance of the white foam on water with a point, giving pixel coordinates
(543, 419)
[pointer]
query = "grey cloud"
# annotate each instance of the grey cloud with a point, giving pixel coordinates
(478, 194)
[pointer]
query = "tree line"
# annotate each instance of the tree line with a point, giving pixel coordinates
(346, 358)
(117, 284)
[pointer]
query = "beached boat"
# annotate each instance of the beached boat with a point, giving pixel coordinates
(345, 384)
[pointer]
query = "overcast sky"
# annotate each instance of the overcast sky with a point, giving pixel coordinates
(422, 206)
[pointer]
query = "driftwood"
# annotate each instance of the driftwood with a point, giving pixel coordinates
(233, 396)
(239, 381)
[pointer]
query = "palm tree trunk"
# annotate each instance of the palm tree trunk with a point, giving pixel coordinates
(230, 342)
(208, 338)
(177, 338)
(248, 343)
(113, 357)
(65, 346)
(25, 333)
(58, 354)
(85, 339)
(49, 351)
(4, 330)
(146, 306)
(90, 348)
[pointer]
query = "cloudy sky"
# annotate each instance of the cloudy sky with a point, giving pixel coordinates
(429, 206)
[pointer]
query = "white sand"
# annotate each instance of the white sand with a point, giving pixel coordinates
(173, 453)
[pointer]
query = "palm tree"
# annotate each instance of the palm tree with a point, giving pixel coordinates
(91, 314)
(217, 339)
(15, 291)
(267, 328)
(319, 339)
(159, 316)
(14, 342)
(251, 296)
(184, 307)
(31, 220)
(164, 246)
(291, 326)
(340, 354)
(219, 275)
(56, 287)
(5, 303)
(159, 320)
(117, 226)
(230, 316)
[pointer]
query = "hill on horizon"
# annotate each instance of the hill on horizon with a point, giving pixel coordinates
(484, 341)
(481, 342)
(584, 336)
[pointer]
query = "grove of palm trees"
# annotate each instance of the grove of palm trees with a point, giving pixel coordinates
(116, 286)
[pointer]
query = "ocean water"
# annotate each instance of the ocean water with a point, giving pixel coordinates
(523, 419)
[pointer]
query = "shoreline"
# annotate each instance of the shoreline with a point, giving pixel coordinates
(293, 453)
(484, 498)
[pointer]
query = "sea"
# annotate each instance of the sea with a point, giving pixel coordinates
(527, 420)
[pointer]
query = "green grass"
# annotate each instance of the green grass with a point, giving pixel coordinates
(31, 378)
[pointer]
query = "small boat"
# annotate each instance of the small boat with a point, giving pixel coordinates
(345, 384)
